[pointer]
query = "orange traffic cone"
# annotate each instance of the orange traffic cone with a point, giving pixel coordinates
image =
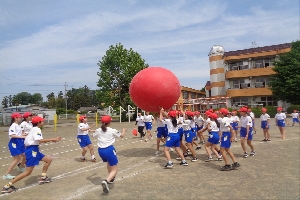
(134, 132)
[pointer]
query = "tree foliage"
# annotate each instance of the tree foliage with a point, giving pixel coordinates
(117, 68)
(285, 83)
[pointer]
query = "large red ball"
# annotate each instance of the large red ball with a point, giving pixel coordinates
(154, 87)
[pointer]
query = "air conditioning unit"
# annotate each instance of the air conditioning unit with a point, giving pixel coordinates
(245, 85)
(258, 65)
(243, 67)
(259, 84)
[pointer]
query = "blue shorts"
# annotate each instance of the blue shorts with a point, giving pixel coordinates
(189, 136)
(16, 146)
(33, 155)
(225, 140)
(173, 140)
(234, 126)
(148, 125)
(199, 128)
(281, 123)
(264, 125)
(296, 120)
(213, 137)
(243, 133)
(161, 131)
(180, 133)
(109, 155)
(83, 140)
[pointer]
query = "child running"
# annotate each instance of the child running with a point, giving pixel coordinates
(226, 139)
(280, 120)
(84, 139)
(15, 144)
(295, 116)
(162, 133)
(234, 123)
(173, 139)
(199, 125)
(148, 119)
(265, 124)
(106, 139)
(246, 131)
(139, 121)
(33, 155)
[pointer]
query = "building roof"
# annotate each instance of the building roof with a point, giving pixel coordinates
(258, 49)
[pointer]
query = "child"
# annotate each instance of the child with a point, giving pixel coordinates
(226, 139)
(141, 124)
(106, 139)
(251, 114)
(84, 139)
(246, 131)
(161, 133)
(265, 124)
(15, 144)
(33, 155)
(189, 133)
(173, 139)
(295, 116)
(148, 125)
(234, 124)
(280, 120)
(199, 125)
(213, 138)
(26, 127)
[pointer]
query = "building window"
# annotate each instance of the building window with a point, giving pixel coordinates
(267, 101)
(261, 82)
(236, 84)
(262, 63)
(193, 95)
(185, 94)
(243, 101)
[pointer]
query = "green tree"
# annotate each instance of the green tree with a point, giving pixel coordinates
(36, 98)
(24, 98)
(285, 83)
(49, 96)
(5, 102)
(117, 68)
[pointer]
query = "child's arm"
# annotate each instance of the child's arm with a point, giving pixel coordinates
(50, 140)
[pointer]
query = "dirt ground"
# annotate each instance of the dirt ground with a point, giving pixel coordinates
(273, 173)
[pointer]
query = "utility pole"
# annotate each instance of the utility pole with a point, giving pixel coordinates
(66, 100)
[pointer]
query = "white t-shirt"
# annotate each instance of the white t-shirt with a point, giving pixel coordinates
(171, 128)
(213, 126)
(295, 115)
(33, 137)
(26, 127)
(159, 123)
(280, 116)
(224, 124)
(235, 118)
(148, 118)
(179, 121)
(251, 114)
(199, 121)
(186, 124)
(140, 121)
(245, 121)
(107, 138)
(264, 117)
(14, 129)
(81, 126)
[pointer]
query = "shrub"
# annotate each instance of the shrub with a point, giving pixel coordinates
(291, 108)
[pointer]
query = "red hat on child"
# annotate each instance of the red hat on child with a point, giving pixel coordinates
(213, 115)
(16, 115)
(224, 111)
(243, 109)
(264, 110)
(106, 119)
(27, 114)
(279, 108)
(82, 117)
(172, 113)
(37, 119)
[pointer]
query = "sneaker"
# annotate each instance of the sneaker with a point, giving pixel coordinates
(93, 160)
(8, 176)
(21, 169)
(226, 168)
(186, 154)
(194, 160)
(171, 149)
(83, 160)
(9, 190)
(235, 165)
(252, 153)
(112, 180)
(219, 159)
(178, 158)
(209, 159)
(198, 148)
(184, 163)
(45, 180)
(264, 140)
(245, 155)
(19, 165)
(235, 139)
(146, 140)
(156, 153)
(268, 140)
(105, 186)
(168, 165)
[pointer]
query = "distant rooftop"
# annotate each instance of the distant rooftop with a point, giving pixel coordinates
(258, 49)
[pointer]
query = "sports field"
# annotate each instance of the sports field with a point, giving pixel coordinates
(273, 173)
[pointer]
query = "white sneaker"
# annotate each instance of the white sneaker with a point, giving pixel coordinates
(156, 153)
(21, 169)
(8, 176)
(105, 187)
(171, 149)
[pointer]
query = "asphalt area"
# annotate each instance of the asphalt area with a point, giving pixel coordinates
(273, 173)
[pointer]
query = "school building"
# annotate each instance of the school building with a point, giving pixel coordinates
(242, 76)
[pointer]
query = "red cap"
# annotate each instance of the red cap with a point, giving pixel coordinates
(279, 108)
(37, 119)
(16, 115)
(213, 115)
(264, 110)
(243, 109)
(27, 114)
(224, 111)
(172, 113)
(197, 112)
(106, 119)
(82, 117)
(189, 113)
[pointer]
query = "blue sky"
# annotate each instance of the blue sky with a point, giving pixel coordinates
(44, 44)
